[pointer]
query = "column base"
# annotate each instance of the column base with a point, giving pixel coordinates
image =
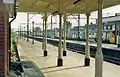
(87, 62)
(45, 53)
(60, 62)
(118, 45)
(32, 42)
(64, 53)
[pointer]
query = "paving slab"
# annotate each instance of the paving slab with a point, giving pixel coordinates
(73, 63)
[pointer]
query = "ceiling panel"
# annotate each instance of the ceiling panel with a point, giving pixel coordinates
(67, 6)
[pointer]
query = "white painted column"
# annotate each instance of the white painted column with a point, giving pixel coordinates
(33, 32)
(60, 61)
(64, 43)
(87, 47)
(43, 35)
(51, 31)
(45, 49)
(78, 27)
(20, 30)
(27, 27)
(24, 33)
(99, 55)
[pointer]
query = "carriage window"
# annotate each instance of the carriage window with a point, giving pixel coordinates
(113, 27)
(104, 28)
(108, 27)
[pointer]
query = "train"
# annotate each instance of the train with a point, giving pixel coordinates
(108, 35)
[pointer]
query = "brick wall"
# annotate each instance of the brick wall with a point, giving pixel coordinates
(3, 44)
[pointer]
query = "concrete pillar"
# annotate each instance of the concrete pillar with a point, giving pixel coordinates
(99, 55)
(43, 35)
(45, 49)
(87, 47)
(27, 27)
(60, 61)
(64, 42)
(33, 32)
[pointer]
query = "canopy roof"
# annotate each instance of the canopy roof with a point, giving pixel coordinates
(68, 6)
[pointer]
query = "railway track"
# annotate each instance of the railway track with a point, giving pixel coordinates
(109, 55)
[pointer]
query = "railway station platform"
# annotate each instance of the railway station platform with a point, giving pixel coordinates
(73, 63)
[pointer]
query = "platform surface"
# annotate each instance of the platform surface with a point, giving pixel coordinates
(73, 63)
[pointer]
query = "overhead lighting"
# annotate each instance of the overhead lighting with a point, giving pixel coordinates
(76, 2)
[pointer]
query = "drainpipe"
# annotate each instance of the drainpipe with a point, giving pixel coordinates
(9, 36)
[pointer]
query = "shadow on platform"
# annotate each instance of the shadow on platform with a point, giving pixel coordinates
(48, 67)
(64, 69)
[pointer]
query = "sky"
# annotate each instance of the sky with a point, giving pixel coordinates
(22, 18)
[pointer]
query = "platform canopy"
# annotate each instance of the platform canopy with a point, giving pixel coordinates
(68, 6)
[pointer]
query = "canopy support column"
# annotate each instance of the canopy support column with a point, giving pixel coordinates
(33, 32)
(27, 27)
(51, 31)
(60, 61)
(43, 34)
(45, 49)
(87, 47)
(99, 55)
(78, 27)
(24, 33)
(64, 43)
(20, 30)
